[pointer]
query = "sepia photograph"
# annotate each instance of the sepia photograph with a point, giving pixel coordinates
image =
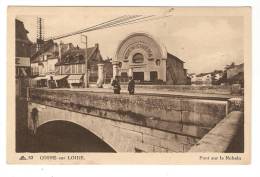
(129, 84)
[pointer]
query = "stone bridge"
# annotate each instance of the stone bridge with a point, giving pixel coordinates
(134, 123)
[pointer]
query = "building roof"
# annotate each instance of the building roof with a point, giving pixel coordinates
(21, 32)
(66, 47)
(170, 56)
(202, 74)
(77, 56)
(237, 66)
(47, 45)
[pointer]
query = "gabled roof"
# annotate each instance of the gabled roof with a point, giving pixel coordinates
(77, 56)
(46, 46)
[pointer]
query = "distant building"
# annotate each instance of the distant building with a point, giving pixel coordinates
(204, 79)
(235, 74)
(233, 71)
(211, 78)
(22, 58)
(72, 64)
(218, 75)
(141, 56)
(192, 77)
(44, 60)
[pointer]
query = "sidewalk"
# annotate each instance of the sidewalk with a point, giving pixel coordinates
(154, 92)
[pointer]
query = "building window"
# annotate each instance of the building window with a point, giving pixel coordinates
(73, 69)
(63, 70)
(67, 69)
(120, 64)
(124, 77)
(153, 76)
(138, 58)
(83, 68)
(157, 62)
(80, 69)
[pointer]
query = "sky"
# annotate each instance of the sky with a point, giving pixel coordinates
(204, 43)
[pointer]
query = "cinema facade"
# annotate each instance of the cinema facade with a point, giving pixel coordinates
(145, 59)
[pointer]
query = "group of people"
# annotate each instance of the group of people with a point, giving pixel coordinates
(117, 87)
(115, 84)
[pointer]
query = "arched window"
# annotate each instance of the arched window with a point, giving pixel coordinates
(157, 62)
(138, 58)
(120, 64)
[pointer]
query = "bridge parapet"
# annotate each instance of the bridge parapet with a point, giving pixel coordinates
(223, 136)
(191, 117)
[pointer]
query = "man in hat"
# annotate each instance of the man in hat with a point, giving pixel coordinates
(51, 83)
(116, 85)
(131, 86)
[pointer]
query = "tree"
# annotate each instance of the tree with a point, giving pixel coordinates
(232, 65)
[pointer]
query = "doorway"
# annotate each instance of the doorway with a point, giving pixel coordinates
(138, 76)
(153, 76)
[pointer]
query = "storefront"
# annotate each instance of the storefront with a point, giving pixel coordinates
(41, 81)
(61, 81)
(76, 81)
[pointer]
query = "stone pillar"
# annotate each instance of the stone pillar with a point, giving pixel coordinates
(163, 69)
(100, 80)
(115, 69)
(130, 72)
(146, 75)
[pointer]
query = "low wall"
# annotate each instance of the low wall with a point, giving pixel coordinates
(221, 137)
(207, 89)
(183, 116)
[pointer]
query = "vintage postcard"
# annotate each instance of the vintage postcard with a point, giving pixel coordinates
(129, 85)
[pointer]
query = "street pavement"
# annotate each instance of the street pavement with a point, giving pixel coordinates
(156, 92)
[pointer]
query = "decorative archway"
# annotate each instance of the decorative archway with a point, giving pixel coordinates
(140, 53)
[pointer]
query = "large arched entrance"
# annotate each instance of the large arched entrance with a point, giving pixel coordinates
(141, 56)
(64, 136)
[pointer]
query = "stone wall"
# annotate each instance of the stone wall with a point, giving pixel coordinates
(121, 136)
(175, 72)
(204, 89)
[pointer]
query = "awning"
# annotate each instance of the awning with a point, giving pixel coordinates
(40, 78)
(59, 77)
(75, 78)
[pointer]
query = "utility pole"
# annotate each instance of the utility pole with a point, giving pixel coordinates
(86, 63)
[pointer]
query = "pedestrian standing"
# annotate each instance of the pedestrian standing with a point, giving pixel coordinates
(116, 85)
(131, 86)
(52, 83)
